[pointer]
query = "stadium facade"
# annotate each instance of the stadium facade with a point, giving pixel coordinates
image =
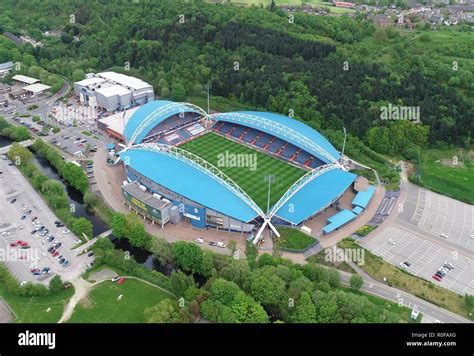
(167, 183)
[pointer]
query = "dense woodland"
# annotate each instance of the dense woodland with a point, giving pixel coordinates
(331, 72)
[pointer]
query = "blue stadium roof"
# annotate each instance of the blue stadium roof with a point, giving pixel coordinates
(184, 179)
(316, 195)
(338, 220)
(362, 198)
(147, 110)
(293, 124)
(357, 210)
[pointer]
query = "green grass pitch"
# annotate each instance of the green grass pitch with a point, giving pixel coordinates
(211, 145)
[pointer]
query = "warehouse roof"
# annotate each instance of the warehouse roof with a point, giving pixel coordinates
(25, 79)
(37, 88)
(91, 81)
(126, 80)
(113, 90)
(6, 65)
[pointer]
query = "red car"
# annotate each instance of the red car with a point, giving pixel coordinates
(436, 277)
(55, 253)
(22, 243)
(13, 244)
(121, 280)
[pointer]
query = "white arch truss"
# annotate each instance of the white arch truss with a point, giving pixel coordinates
(300, 183)
(203, 166)
(163, 110)
(278, 128)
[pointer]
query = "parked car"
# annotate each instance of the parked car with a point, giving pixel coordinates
(90, 253)
(200, 240)
(50, 248)
(61, 260)
(58, 245)
(436, 277)
(66, 263)
(13, 201)
(121, 280)
(33, 232)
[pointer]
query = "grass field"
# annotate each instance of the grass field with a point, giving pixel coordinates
(102, 306)
(35, 310)
(250, 178)
(449, 172)
(265, 3)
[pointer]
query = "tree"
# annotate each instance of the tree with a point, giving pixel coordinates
(19, 155)
(356, 281)
(81, 226)
(266, 286)
(180, 282)
(119, 225)
(237, 271)
(164, 312)
(229, 304)
(188, 255)
(178, 92)
(334, 277)
(162, 250)
(56, 284)
(305, 311)
(207, 265)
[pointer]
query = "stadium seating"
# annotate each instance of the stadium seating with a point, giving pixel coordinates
(275, 145)
(302, 157)
(238, 130)
(250, 135)
(184, 134)
(289, 151)
(263, 140)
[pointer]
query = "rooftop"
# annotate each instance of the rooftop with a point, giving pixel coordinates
(145, 197)
(25, 79)
(37, 88)
(113, 90)
(117, 122)
(126, 80)
(6, 65)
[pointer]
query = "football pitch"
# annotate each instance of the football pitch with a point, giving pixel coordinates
(247, 167)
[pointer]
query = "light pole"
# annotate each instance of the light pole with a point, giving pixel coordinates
(270, 178)
(344, 143)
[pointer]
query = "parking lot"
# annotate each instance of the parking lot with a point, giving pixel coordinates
(26, 252)
(441, 217)
(425, 257)
(77, 143)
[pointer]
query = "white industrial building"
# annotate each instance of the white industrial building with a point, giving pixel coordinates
(113, 91)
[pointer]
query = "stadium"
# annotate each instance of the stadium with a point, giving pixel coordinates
(236, 171)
